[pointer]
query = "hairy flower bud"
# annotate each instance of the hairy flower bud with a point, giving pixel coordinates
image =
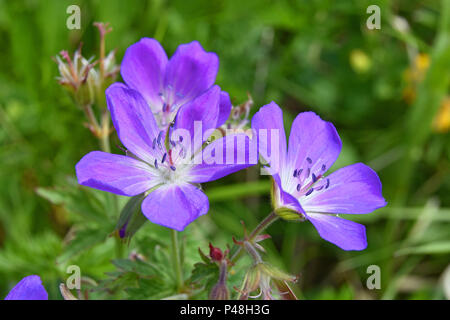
(215, 253)
(220, 290)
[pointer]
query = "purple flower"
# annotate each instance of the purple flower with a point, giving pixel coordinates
(164, 164)
(29, 288)
(301, 184)
(167, 84)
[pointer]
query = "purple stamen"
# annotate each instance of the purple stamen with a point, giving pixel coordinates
(164, 158)
(173, 168)
(156, 163)
(328, 184)
(314, 178)
(307, 173)
(154, 143)
(295, 173)
(309, 192)
(309, 160)
(324, 167)
(298, 187)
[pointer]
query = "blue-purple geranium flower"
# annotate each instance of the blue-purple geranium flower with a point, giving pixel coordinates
(300, 181)
(163, 164)
(29, 288)
(167, 84)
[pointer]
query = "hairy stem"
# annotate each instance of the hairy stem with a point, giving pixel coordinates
(259, 228)
(177, 260)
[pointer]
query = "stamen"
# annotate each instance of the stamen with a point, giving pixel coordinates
(314, 178)
(295, 173)
(324, 167)
(298, 187)
(309, 160)
(181, 138)
(180, 95)
(172, 143)
(173, 168)
(156, 163)
(154, 143)
(309, 192)
(307, 173)
(328, 184)
(164, 158)
(299, 172)
(159, 139)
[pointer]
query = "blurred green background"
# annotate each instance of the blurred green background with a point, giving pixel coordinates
(386, 91)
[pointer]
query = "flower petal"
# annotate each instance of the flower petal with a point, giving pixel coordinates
(268, 122)
(224, 108)
(143, 69)
(313, 144)
(224, 156)
(175, 206)
(29, 288)
(115, 173)
(347, 235)
(199, 115)
(352, 189)
(284, 199)
(134, 121)
(190, 72)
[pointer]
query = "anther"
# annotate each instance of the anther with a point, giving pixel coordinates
(309, 192)
(309, 160)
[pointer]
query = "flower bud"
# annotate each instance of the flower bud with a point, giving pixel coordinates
(215, 253)
(220, 290)
(78, 76)
(131, 218)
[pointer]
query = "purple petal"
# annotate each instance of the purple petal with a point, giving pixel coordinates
(200, 114)
(134, 121)
(114, 173)
(285, 199)
(347, 235)
(224, 108)
(352, 189)
(143, 69)
(224, 156)
(175, 206)
(313, 144)
(190, 72)
(270, 118)
(29, 288)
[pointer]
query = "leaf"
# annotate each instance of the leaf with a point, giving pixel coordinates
(84, 239)
(429, 248)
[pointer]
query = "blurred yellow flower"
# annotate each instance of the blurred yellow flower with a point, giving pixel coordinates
(441, 122)
(360, 61)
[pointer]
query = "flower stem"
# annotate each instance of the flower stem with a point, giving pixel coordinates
(259, 228)
(177, 260)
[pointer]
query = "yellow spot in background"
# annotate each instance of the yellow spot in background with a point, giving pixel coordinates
(441, 122)
(360, 61)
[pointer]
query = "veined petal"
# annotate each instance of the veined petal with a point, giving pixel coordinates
(224, 108)
(285, 199)
(224, 156)
(314, 146)
(347, 235)
(175, 206)
(134, 122)
(200, 114)
(115, 173)
(29, 288)
(352, 189)
(268, 122)
(190, 71)
(143, 69)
